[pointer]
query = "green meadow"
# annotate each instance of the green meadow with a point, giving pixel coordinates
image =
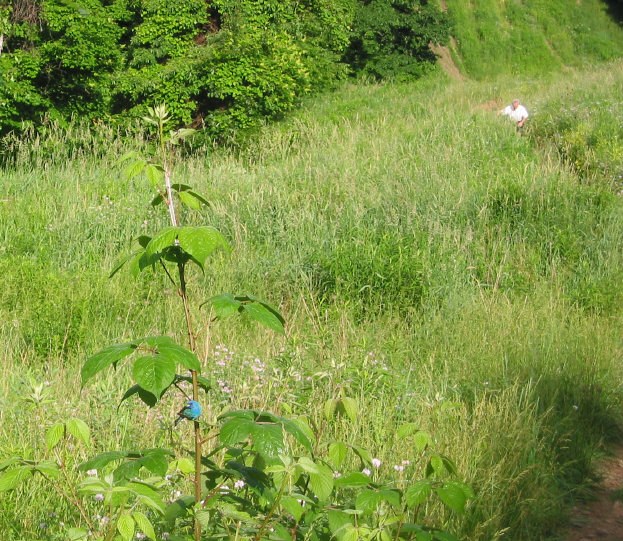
(429, 261)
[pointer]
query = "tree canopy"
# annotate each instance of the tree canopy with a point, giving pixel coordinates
(218, 64)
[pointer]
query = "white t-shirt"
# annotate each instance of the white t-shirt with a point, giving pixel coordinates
(516, 114)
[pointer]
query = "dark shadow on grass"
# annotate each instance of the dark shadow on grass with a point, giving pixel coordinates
(615, 10)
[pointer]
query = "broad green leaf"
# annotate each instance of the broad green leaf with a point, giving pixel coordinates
(9, 462)
(184, 465)
(77, 534)
(362, 453)
(103, 359)
(421, 440)
(322, 482)
(179, 187)
(54, 434)
(308, 465)
(200, 242)
(79, 430)
(280, 533)
(348, 406)
(435, 466)
(231, 511)
(203, 517)
(199, 197)
(179, 355)
(157, 341)
(93, 484)
(154, 174)
(157, 200)
(153, 373)
(143, 524)
(127, 470)
(292, 506)
(179, 135)
(189, 200)
(350, 533)
(337, 453)
(329, 408)
(268, 439)
(178, 508)
(139, 263)
(156, 462)
(134, 169)
(155, 504)
(163, 239)
(125, 527)
(147, 490)
(10, 479)
(224, 305)
(351, 480)
(148, 398)
(453, 496)
(421, 533)
(338, 522)
(236, 430)
(392, 497)
(48, 468)
(449, 465)
(120, 263)
(418, 493)
(300, 430)
(264, 315)
(367, 501)
(406, 430)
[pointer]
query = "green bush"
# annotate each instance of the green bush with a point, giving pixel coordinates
(391, 38)
(587, 132)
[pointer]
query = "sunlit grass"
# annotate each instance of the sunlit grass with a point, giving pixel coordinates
(429, 262)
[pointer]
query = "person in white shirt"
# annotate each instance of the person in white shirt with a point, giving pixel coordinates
(516, 112)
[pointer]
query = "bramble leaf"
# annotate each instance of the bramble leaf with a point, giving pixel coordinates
(108, 356)
(418, 493)
(337, 453)
(54, 434)
(10, 479)
(143, 524)
(154, 373)
(79, 430)
(100, 461)
(125, 527)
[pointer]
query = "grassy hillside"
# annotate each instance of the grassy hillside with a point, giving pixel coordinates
(533, 37)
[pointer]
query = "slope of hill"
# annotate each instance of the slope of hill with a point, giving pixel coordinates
(533, 37)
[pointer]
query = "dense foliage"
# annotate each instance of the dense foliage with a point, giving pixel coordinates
(223, 65)
(391, 39)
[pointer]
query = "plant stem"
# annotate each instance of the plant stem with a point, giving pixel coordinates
(195, 383)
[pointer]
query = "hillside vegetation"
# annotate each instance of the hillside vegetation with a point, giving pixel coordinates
(534, 37)
(430, 263)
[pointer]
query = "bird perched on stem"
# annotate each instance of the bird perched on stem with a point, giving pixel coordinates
(191, 411)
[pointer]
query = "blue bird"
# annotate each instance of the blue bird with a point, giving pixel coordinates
(191, 411)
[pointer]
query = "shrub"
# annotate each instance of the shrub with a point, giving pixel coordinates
(391, 38)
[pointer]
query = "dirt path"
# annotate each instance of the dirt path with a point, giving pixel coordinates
(601, 518)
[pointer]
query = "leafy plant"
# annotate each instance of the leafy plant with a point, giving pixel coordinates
(390, 38)
(266, 476)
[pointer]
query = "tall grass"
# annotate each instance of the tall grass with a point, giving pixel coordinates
(428, 260)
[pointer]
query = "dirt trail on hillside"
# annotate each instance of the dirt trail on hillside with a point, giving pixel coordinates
(601, 518)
